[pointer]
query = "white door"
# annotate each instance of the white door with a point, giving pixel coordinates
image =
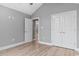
(63, 29)
(70, 28)
(56, 27)
(28, 30)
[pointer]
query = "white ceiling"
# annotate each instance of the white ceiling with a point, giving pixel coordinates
(23, 7)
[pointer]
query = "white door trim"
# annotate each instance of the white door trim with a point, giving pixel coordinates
(38, 27)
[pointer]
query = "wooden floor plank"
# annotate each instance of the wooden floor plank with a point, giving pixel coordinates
(34, 49)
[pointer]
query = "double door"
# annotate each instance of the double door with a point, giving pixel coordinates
(63, 29)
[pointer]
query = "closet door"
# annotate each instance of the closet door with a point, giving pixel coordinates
(70, 28)
(63, 29)
(56, 26)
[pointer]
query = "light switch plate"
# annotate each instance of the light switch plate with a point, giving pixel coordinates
(9, 17)
(42, 27)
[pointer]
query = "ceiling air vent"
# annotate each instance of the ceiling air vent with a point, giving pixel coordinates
(31, 3)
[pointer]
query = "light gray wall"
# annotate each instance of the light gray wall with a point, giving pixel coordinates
(45, 12)
(11, 28)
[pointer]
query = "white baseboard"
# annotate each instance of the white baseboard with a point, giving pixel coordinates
(45, 43)
(50, 44)
(28, 40)
(10, 46)
(13, 45)
(77, 49)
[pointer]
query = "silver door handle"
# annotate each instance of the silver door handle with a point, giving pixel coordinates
(62, 32)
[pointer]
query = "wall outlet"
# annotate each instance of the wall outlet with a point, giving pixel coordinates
(9, 17)
(12, 17)
(13, 39)
(42, 27)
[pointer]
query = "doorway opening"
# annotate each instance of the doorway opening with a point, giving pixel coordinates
(35, 30)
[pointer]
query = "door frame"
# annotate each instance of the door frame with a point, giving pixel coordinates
(38, 27)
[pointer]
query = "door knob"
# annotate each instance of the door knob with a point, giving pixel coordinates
(62, 32)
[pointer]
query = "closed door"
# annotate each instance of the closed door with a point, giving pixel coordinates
(28, 30)
(63, 29)
(70, 28)
(56, 30)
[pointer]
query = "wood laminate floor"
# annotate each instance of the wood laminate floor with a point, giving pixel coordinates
(35, 49)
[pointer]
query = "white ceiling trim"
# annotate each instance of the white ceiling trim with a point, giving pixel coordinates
(23, 7)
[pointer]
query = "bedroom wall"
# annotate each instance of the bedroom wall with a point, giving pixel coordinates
(45, 12)
(12, 26)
